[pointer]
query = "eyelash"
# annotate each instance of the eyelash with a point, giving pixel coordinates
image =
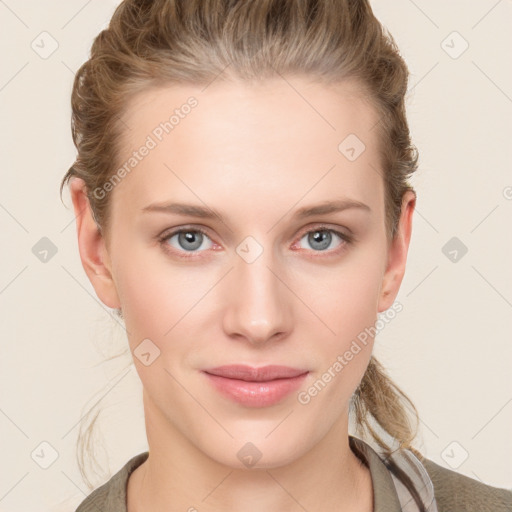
(347, 240)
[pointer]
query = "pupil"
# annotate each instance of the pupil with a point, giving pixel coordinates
(190, 237)
(322, 238)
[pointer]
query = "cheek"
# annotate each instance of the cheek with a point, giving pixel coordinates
(357, 303)
(347, 296)
(154, 293)
(348, 305)
(157, 300)
(350, 310)
(146, 303)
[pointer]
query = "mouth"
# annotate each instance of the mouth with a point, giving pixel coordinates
(252, 374)
(255, 387)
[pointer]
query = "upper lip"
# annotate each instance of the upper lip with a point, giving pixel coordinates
(250, 373)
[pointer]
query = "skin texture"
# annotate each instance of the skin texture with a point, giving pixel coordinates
(255, 153)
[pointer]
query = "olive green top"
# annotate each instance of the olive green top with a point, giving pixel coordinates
(452, 491)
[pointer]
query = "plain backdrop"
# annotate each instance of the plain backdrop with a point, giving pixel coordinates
(450, 348)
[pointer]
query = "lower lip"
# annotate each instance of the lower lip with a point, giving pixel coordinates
(256, 394)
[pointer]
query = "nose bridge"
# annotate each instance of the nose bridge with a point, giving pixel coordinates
(258, 308)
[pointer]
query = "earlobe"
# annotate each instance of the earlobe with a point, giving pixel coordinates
(91, 243)
(397, 254)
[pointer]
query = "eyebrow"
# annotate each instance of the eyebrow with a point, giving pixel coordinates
(302, 213)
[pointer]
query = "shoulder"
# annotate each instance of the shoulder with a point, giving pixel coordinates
(456, 492)
(111, 496)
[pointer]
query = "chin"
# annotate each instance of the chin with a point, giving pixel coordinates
(256, 451)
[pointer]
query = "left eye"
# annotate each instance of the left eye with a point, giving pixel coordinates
(321, 238)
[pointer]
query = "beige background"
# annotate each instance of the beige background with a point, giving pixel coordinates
(450, 348)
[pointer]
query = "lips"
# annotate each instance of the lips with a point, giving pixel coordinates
(251, 374)
(255, 387)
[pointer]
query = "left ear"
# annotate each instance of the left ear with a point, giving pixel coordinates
(397, 254)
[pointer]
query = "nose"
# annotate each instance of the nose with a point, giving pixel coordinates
(259, 304)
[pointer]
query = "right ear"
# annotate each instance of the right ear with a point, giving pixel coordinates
(92, 247)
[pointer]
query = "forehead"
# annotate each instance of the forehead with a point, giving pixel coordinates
(255, 144)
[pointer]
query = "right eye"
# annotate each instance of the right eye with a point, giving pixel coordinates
(186, 240)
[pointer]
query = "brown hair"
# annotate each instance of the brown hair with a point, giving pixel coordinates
(158, 42)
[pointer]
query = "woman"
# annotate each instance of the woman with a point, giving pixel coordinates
(242, 200)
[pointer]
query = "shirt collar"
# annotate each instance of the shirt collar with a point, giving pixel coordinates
(385, 497)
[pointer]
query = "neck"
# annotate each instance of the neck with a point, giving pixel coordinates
(177, 476)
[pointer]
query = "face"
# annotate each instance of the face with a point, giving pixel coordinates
(252, 272)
